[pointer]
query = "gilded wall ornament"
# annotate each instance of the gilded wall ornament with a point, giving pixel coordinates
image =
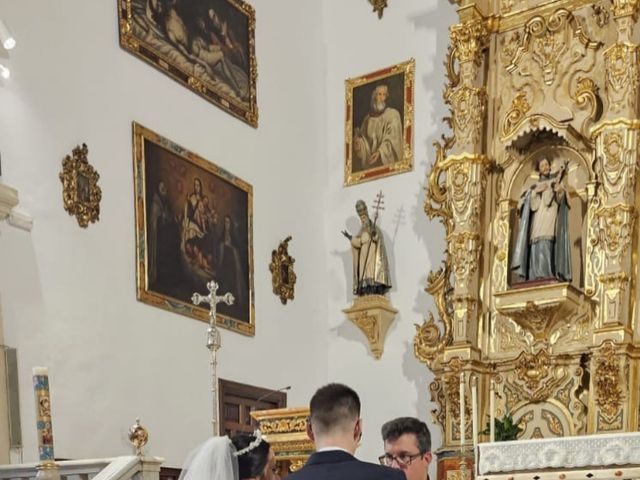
(623, 8)
(601, 14)
(548, 41)
(607, 382)
(621, 76)
(469, 39)
(283, 278)
(80, 191)
(378, 6)
(515, 115)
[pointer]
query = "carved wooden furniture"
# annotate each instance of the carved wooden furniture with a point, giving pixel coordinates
(286, 431)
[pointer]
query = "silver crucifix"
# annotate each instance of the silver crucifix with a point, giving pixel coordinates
(213, 339)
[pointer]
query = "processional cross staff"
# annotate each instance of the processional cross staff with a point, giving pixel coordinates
(213, 339)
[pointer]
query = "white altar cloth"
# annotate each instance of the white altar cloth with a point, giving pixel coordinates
(555, 453)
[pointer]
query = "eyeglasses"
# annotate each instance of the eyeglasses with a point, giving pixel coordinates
(403, 460)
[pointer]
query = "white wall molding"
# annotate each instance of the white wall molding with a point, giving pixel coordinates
(8, 202)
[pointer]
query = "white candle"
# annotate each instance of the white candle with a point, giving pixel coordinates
(462, 421)
(474, 411)
(492, 412)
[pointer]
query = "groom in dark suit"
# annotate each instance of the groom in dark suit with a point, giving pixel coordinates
(335, 427)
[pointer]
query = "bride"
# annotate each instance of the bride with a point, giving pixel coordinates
(245, 457)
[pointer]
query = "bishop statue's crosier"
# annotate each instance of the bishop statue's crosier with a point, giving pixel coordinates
(371, 310)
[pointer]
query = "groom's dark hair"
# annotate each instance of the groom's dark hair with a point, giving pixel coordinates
(333, 405)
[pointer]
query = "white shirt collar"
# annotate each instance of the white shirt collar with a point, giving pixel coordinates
(331, 449)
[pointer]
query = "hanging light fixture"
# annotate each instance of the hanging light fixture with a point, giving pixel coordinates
(4, 72)
(7, 39)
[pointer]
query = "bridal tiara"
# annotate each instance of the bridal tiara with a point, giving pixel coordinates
(252, 445)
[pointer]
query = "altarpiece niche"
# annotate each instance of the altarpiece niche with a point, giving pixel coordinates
(536, 189)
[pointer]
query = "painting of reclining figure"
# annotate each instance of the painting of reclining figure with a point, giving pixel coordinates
(207, 45)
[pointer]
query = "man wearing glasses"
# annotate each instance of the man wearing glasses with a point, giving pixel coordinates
(407, 447)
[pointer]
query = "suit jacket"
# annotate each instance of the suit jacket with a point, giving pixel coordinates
(340, 465)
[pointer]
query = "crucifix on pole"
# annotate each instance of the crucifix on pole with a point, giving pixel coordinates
(213, 339)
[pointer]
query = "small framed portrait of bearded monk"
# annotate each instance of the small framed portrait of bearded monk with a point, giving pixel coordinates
(379, 124)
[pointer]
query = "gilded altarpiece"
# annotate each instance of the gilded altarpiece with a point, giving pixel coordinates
(530, 81)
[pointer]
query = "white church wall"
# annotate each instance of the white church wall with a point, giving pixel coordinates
(358, 42)
(68, 294)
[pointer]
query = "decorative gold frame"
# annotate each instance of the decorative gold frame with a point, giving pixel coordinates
(146, 295)
(283, 278)
(406, 163)
(245, 111)
(80, 191)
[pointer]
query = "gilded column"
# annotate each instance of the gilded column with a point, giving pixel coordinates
(613, 223)
(465, 166)
(616, 138)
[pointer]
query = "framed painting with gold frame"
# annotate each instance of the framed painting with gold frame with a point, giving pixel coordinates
(206, 45)
(194, 223)
(379, 123)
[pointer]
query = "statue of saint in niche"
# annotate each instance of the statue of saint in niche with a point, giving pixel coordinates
(542, 250)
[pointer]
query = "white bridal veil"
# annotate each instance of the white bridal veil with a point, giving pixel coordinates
(215, 459)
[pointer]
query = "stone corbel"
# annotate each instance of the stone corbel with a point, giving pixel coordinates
(9, 211)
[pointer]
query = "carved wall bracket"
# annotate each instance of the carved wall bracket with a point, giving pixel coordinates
(373, 315)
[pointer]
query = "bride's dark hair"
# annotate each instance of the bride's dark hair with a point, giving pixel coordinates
(251, 464)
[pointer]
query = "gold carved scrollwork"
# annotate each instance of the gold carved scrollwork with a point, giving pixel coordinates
(625, 8)
(283, 425)
(428, 341)
(607, 382)
(80, 191)
(553, 423)
(586, 95)
(435, 204)
(548, 40)
(615, 229)
(601, 15)
(469, 39)
(531, 369)
(464, 248)
(621, 76)
(535, 377)
(439, 414)
(468, 107)
(516, 114)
